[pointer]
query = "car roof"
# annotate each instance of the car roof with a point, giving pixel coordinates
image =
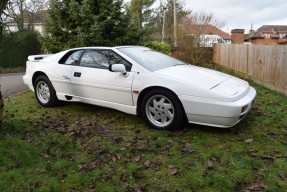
(103, 47)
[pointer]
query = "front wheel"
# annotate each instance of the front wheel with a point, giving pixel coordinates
(45, 92)
(162, 110)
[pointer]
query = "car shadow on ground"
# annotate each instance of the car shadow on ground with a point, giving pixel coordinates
(187, 127)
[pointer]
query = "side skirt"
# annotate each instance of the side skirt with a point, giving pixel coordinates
(121, 107)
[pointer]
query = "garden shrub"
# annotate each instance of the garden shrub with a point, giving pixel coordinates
(16, 47)
(158, 46)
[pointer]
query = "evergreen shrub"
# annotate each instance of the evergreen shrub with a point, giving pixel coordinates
(158, 46)
(16, 47)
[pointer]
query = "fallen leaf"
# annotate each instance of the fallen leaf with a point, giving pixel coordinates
(156, 169)
(186, 145)
(236, 139)
(148, 138)
(141, 146)
(172, 166)
(46, 156)
(253, 150)
(210, 163)
(271, 133)
(137, 158)
(124, 185)
(117, 139)
(273, 103)
(255, 167)
(137, 188)
(172, 142)
(103, 151)
(128, 144)
(258, 185)
(140, 167)
(187, 164)
(147, 164)
(196, 156)
(226, 148)
(188, 150)
(123, 177)
(173, 171)
(158, 145)
(114, 159)
(139, 176)
(249, 140)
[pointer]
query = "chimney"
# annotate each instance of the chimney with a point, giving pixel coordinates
(237, 36)
(251, 29)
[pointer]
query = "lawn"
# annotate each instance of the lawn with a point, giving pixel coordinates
(79, 147)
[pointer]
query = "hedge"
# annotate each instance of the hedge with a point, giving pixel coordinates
(16, 47)
(158, 46)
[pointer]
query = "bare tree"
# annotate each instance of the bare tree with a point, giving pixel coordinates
(193, 35)
(24, 11)
(3, 4)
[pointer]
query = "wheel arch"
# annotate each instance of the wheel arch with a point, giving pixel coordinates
(146, 90)
(36, 75)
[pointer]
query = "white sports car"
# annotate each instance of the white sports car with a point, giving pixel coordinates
(138, 80)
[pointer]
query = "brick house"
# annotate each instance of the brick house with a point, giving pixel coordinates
(268, 34)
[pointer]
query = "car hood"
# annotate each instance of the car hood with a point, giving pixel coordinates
(205, 78)
(211, 80)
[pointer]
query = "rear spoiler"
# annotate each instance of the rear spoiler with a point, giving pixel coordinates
(37, 57)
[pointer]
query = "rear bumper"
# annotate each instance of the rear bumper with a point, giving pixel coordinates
(28, 81)
(217, 113)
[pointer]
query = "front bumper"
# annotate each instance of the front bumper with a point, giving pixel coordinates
(215, 112)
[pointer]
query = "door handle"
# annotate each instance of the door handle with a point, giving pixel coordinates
(66, 77)
(77, 74)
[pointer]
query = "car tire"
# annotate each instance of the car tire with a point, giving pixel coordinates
(45, 92)
(162, 110)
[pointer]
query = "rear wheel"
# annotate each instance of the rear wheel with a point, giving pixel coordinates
(45, 92)
(162, 110)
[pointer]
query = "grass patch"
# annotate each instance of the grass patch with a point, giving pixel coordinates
(79, 147)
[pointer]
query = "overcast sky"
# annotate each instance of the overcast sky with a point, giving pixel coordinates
(240, 14)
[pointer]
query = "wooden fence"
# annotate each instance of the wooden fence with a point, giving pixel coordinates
(264, 64)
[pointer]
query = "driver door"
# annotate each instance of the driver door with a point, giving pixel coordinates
(91, 79)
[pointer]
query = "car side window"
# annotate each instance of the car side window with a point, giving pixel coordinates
(116, 59)
(71, 58)
(95, 59)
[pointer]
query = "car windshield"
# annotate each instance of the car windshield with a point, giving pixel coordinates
(150, 59)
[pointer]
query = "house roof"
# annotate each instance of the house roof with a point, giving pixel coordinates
(273, 29)
(39, 17)
(208, 30)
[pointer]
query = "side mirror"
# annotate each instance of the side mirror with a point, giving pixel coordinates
(118, 68)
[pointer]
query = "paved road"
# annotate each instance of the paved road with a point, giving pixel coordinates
(12, 84)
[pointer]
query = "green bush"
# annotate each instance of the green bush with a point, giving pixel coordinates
(158, 46)
(16, 47)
